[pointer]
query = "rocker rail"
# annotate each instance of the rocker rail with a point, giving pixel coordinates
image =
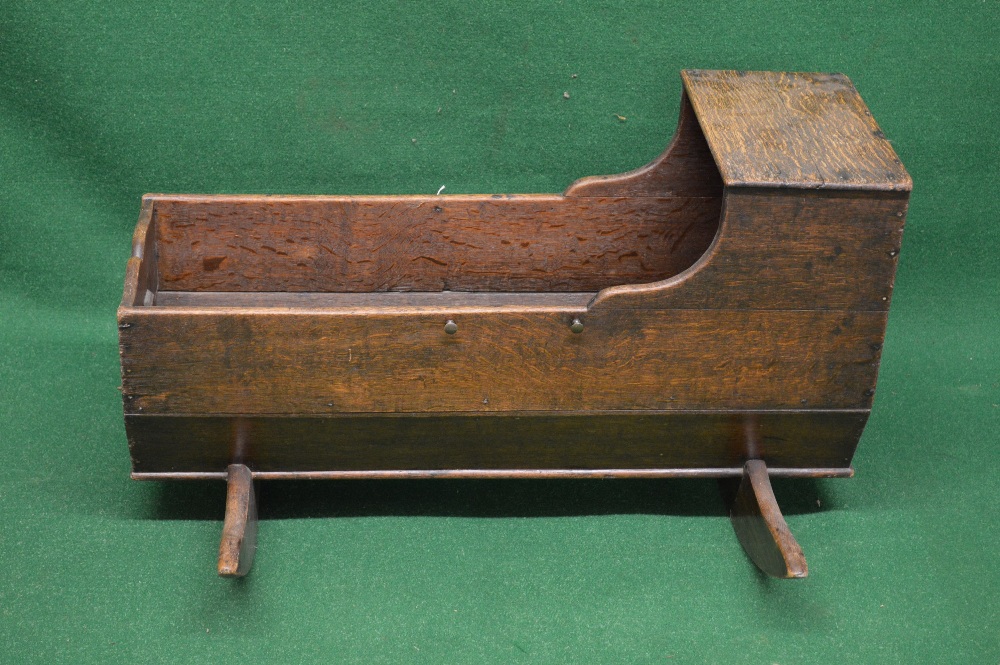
(499, 474)
(755, 516)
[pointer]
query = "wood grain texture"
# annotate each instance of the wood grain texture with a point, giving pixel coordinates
(450, 302)
(310, 330)
(783, 129)
(141, 279)
(426, 243)
(685, 168)
(787, 249)
(762, 529)
(239, 531)
(470, 443)
(197, 361)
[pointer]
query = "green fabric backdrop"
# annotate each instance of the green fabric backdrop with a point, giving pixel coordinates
(103, 101)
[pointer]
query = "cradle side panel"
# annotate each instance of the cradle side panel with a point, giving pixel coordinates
(363, 244)
(795, 440)
(788, 249)
(310, 362)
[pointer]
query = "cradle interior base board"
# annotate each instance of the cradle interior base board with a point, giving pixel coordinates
(719, 312)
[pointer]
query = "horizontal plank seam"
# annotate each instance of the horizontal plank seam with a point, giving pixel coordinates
(823, 186)
(708, 472)
(550, 412)
(407, 311)
(402, 198)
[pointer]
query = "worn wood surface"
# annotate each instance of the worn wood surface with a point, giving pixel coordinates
(141, 279)
(800, 130)
(449, 302)
(762, 529)
(278, 314)
(553, 441)
(426, 243)
(776, 249)
(193, 361)
(239, 531)
(780, 249)
(685, 168)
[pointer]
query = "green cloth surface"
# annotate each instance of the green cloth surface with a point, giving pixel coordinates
(101, 102)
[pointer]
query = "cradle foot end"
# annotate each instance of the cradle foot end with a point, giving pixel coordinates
(761, 528)
(239, 532)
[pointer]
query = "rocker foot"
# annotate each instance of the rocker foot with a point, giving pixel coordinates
(761, 528)
(239, 532)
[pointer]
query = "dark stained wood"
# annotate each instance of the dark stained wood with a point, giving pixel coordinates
(762, 529)
(239, 532)
(800, 130)
(140, 271)
(421, 442)
(444, 301)
(787, 249)
(717, 312)
(685, 168)
(190, 361)
(426, 243)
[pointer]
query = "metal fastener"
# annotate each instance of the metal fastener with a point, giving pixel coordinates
(576, 326)
(451, 327)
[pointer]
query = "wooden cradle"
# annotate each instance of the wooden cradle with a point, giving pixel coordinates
(718, 312)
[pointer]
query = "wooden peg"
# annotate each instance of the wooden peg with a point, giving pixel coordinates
(761, 528)
(239, 532)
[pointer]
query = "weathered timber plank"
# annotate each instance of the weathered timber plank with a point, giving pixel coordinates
(140, 271)
(680, 440)
(788, 249)
(383, 302)
(784, 129)
(265, 361)
(426, 243)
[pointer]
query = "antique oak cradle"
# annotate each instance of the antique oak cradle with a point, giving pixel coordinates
(719, 312)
